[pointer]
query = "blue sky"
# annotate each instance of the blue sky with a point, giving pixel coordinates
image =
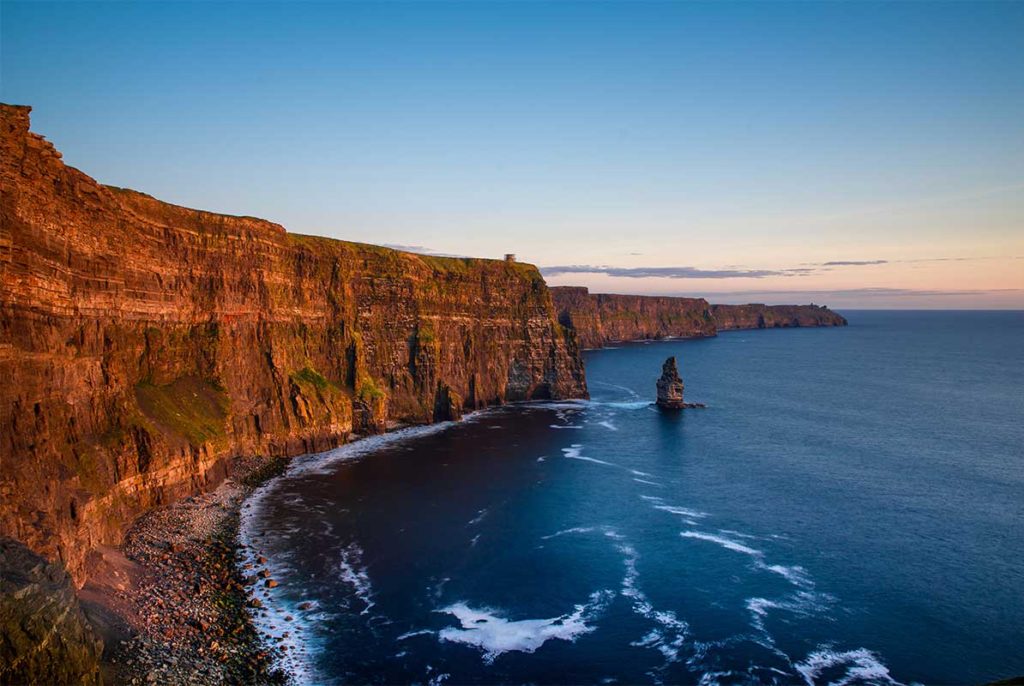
(734, 148)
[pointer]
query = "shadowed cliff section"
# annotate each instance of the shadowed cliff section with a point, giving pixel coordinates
(757, 316)
(142, 343)
(44, 635)
(602, 318)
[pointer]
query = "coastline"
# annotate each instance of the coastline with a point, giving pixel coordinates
(170, 603)
(189, 596)
(282, 628)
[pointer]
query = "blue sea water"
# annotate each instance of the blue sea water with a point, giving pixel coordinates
(848, 509)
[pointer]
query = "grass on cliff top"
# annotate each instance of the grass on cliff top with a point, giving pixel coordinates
(190, 407)
(435, 262)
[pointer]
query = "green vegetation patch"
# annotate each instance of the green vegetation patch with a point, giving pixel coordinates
(190, 407)
(308, 375)
(368, 390)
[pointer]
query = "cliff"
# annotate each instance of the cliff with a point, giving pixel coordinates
(773, 316)
(142, 344)
(601, 318)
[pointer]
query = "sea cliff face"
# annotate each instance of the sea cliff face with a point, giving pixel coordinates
(600, 318)
(142, 344)
(758, 316)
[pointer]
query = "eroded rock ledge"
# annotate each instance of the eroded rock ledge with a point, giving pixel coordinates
(142, 344)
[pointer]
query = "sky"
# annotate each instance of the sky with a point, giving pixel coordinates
(855, 154)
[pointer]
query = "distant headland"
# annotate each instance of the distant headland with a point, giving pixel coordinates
(602, 318)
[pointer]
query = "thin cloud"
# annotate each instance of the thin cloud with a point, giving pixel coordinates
(867, 292)
(420, 250)
(732, 271)
(410, 248)
(671, 272)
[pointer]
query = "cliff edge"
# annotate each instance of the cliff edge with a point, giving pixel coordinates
(602, 318)
(142, 344)
(757, 316)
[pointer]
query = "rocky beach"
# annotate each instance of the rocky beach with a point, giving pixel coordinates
(171, 603)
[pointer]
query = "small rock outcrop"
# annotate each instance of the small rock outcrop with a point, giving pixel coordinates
(670, 388)
(44, 636)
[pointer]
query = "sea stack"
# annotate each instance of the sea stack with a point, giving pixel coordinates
(670, 386)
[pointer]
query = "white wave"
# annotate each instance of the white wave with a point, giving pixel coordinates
(542, 458)
(681, 511)
(474, 541)
(795, 574)
(565, 426)
(802, 603)
(574, 530)
(480, 514)
(608, 425)
(727, 543)
(494, 634)
(630, 391)
(670, 632)
(322, 463)
(574, 452)
(550, 405)
(411, 634)
(862, 666)
(649, 483)
(637, 472)
(438, 589)
(627, 404)
(652, 498)
(712, 678)
(669, 637)
(354, 573)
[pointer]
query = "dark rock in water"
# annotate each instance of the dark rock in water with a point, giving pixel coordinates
(44, 636)
(670, 388)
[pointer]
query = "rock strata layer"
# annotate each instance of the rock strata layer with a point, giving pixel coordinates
(142, 344)
(602, 318)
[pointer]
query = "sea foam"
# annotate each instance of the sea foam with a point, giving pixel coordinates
(861, 666)
(727, 543)
(493, 634)
(575, 452)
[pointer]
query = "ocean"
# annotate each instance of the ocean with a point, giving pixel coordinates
(848, 509)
